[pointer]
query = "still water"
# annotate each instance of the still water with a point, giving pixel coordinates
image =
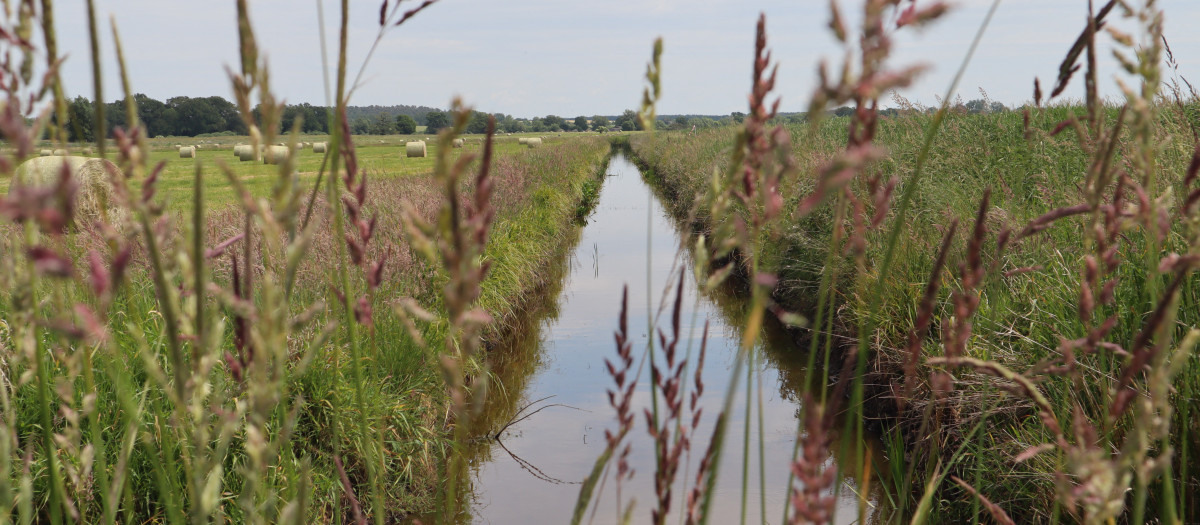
(551, 373)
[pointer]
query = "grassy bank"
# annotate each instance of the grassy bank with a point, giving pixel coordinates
(1027, 307)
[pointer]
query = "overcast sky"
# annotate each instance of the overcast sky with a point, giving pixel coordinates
(574, 57)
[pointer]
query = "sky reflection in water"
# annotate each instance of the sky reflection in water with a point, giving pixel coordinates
(555, 448)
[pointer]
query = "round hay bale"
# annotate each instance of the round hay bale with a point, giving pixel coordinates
(237, 150)
(534, 142)
(177, 146)
(276, 155)
(248, 153)
(88, 151)
(60, 152)
(188, 152)
(415, 149)
(523, 141)
(92, 176)
(319, 147)
(458, 143)
(45, 153)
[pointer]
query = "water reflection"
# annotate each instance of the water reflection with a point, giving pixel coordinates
(547, 412)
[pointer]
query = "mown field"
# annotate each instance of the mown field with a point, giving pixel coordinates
(382, 155)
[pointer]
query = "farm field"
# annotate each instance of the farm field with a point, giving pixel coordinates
(380, 155)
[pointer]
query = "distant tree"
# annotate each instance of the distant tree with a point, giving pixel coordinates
(114, 115)
(581, 123)
(628, 121)
(844, 111)
(681, 122)
(152, 113)
(514, 126)
(538, 125)
(194, 116)
(81, 119)
(416, 112)
(405, 125)
(361, 126)
(315, 118)
(228, 118)
(501, 121)
(435, 121)
(738, 116)
(288, 120)
(554, 123)
(504, 122)
(383, 125)
(600, 121)
(478, 123)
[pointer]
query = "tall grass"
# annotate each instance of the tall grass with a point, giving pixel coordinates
(1034, 364)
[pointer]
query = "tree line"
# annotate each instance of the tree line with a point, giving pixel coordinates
(382, 123)
(194, 116)
(184, 117)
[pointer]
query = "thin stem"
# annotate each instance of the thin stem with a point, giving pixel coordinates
(131, 113)
(44, 410)
(762, 462)
(97, 80)
(60, 100)
(746, 437)
(867, 328)
(825, 299)
(658, 454)
(754, 320)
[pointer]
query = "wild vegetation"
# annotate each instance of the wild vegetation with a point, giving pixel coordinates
(1008, 296)
(254, 342)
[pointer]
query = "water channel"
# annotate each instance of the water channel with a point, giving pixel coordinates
(553, 380)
